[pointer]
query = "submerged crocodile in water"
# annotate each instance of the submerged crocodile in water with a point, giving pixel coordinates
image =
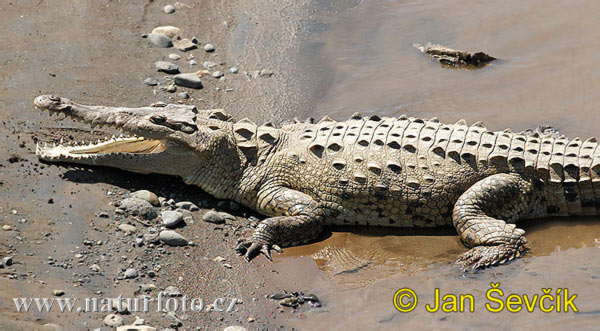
(403, 172)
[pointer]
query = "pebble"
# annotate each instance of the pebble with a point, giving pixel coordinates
(235, 328)
(113, 320)
(185, 45)
(130, 273)
(266, 73)
(195, 41)
(168, 30)
(171, 88)
(160, 40)
(183, 95)
(146, 195)
(151, 238)
(51, 327)
(171, 219)
(58, 293)
(139, 242)
(209, 48)
(217, 74)
(169, 9)
(190, 80)
(213, 217)
(127, 228)
(193, 63)
(150, 81)
(172, 291)
(209, 64)
(187, 205)
(174, 56)
(174, 321)
(7, 227)
(250, 319)
(137, 206)
(172, 238)
(166, 67)
(234, 70)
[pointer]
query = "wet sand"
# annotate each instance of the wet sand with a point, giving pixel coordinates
(329, 58)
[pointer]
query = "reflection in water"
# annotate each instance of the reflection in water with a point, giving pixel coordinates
(547, 75)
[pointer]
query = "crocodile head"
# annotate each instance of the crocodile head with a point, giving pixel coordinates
(168, 139)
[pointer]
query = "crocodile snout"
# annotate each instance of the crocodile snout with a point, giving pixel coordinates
(47, 101)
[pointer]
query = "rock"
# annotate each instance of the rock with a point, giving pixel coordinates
(171, 88)
(209, 48)
(234, 70)
(6, 227)
(174, 56)
(173, 320)
(58, 293)
(169, 9)
(113, 320)
(195, 41)
(250, 319)
(127, 228)
(95, 267)
(235, 328)
(171, 219)
(193, 62)
(147, 288)
(185, 45)
(7, 260)
(172, 238)
(139, 242)
(160, 40)
(139, 207)
(217, 74)
(168, 30)
(130, 273)
(166, 67)
(209, 65)
(266, 73)
(146, 195)
(187, 205)
(213, 217)
(135, 327)
(151, 238)
(51, 327)
(138, 321)
(219, 259)
(172, 291)
(183, 95)
(190, 80)
(150, 81)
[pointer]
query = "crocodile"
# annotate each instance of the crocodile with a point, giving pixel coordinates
(373, 171)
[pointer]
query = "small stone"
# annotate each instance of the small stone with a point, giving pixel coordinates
(219, 259)
(171, 88)
(174, 321)
(185, 45)
(151, 238)
(183, 95)
(213, 217)
(234, 70)
(195, 41)
(172, 238)
(171, 219)
(174, 56)
(166, 67)
(266, 73)
(250, 319)
(6, 227)
(150, 81)
(58, 293)
(138, 321)
(217, 74)
(228, 266)
(160, 40)
(137, 206)
(190, 80)
(146, 195)
(130, 273)
(172, 291)
(168, 30)
(193, 62)
(147, 287)
(169, 9)
(113, 320)
(209, 48)
(235, 328)
(139, 242)
(95, 267)
(209, 64)
(187, 205)
(51, 327)
(127, 228)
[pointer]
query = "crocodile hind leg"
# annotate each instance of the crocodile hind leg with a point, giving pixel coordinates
(484, 217)
(297, 219)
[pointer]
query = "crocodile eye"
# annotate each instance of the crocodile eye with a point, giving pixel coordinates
(158, 119)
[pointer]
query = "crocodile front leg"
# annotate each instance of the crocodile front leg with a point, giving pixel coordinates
(297, 219)
(481, 215)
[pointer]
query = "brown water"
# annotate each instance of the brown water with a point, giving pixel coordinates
(547, 74)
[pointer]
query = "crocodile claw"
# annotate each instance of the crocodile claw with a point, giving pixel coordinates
(480, 257)
(250, 249)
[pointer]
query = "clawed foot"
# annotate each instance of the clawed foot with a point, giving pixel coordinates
(250, 249)
(480, 257)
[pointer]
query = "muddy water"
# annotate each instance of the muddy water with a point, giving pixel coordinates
(546, 75)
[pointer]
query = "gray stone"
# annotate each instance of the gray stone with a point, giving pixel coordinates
(172, 238)
(209, 48)
(166, 67)
(168, 30)
(214, 217)
(234, 70)
(171, 219)
(151, 238)
(190, 80)
(235, 328)
(209, 64)
(169, 9)
(160, 40)
(183, 95)
(7, 260)
(195, 41)
(171, 88)
(172, 291)
(185, 45)
(130, 273)
(193, 62)
(113, 320)
(187, 205)
(139, 242)
(146, 195)
(135, 327)
(139, 207)
(150, 81)
(265, 73)
(51, 327)
(217, 74)
(127, 228)
(174, 56)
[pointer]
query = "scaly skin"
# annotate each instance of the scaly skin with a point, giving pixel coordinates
(364, 171)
